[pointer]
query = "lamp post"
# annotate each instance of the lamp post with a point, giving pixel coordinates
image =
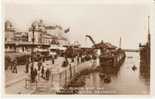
(33, 27)
(32, 50)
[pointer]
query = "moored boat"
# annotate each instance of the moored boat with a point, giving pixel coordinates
(113, 58)
(110, 55)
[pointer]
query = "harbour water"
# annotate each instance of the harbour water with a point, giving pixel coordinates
(123, 81)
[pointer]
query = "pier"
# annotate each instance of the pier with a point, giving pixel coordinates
(131, 50)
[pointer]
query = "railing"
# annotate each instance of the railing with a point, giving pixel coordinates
(61, 78)
(28, 83)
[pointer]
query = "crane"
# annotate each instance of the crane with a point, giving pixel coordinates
(91, 39)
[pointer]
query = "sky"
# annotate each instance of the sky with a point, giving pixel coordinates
(103, 21)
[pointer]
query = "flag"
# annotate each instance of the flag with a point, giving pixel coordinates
(67, 30)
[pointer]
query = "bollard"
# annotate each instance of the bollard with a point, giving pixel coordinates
(70, 71)
(38, 76)
(51, 79)
(65, 77)
(75, 69)
(60, 78)
(26, 83)
(36, 84)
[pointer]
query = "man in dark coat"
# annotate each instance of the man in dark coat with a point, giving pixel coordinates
(42, 72)
(27, 67)
(39, 65)
(53, 60)
(32, 74)
(47, 74)
(14, 66)
(35, 74)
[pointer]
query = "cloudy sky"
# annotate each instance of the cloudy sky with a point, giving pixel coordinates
(107, 21)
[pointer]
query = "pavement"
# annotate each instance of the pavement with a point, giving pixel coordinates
(11, 78)
(15, 82)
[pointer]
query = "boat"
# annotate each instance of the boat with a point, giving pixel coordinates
(110, 55)
(114, 58)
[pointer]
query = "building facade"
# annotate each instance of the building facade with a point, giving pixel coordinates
(21, 36)
(44, 36)
(9, 31)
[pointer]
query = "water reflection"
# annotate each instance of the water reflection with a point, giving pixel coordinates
(123, 80)
(145, 73)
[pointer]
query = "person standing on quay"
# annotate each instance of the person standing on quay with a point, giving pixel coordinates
(15, 66)
(39, 65)
(42, 72)
(35, 74)
(52, 59)
(47, 74)
(27, 67)
(11, 65)
(32, 74)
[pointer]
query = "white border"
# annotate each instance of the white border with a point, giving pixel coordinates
(79, 2)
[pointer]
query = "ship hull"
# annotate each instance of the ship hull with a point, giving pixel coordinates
(113, 61)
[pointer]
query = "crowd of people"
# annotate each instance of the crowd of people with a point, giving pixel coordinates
(13, 66)
(38, 70)
(80, 56)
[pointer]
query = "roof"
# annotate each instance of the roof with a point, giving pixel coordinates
(105, 45)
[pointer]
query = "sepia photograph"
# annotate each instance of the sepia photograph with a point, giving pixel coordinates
(77, 48)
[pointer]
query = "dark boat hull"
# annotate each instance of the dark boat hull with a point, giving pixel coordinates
(114, 62)
(111, 69)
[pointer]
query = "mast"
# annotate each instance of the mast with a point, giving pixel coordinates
(149, 37)
(120, 42)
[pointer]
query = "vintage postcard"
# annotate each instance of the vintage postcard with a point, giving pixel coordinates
(72, 47)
